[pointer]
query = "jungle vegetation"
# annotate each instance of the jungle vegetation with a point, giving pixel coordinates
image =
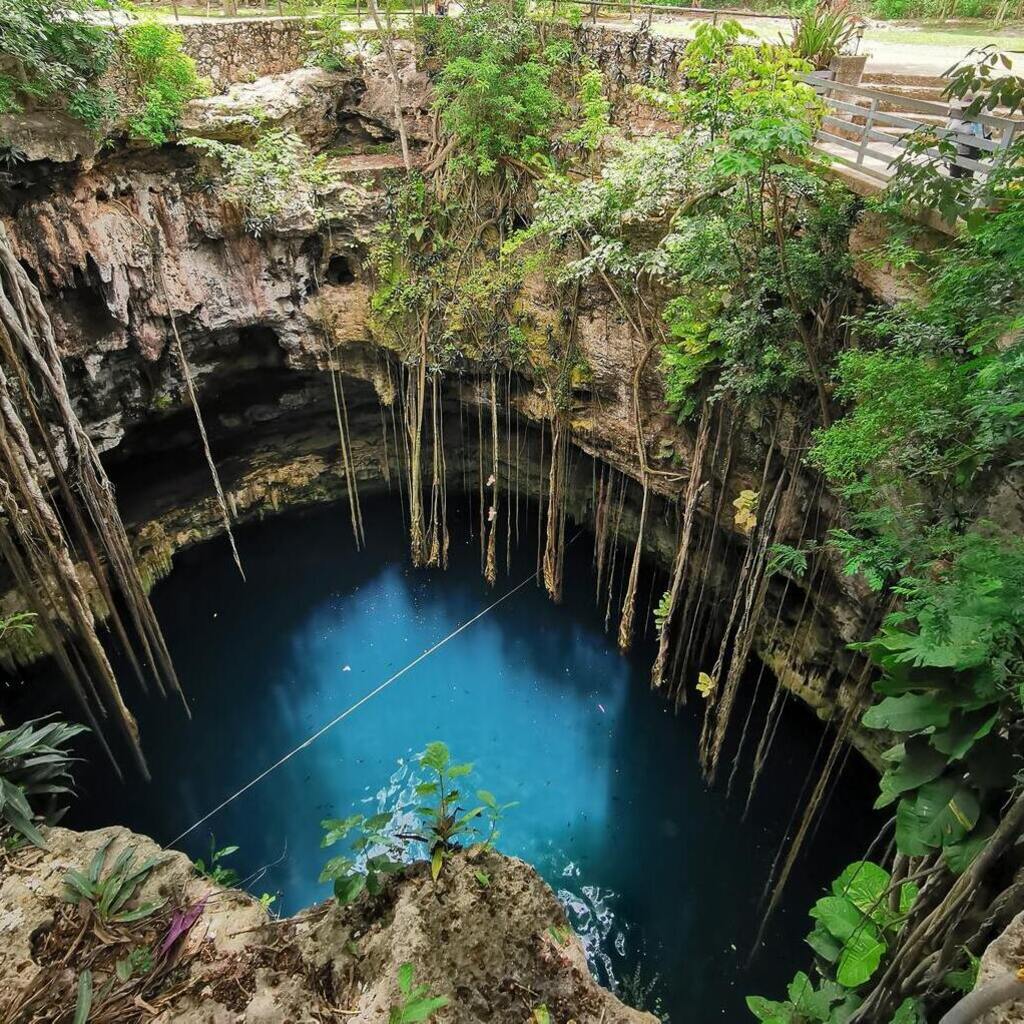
(722, 247)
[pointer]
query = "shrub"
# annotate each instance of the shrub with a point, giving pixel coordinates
(163, 78)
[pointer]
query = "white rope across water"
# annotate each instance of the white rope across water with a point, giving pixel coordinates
(355, 707)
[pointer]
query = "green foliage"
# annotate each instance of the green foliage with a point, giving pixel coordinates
(214, 870)
(378, 855)
(823, 33)
(428, 273)
(855, 927)
(964, 979)
(593, 123)
(51, 49)
(949, 662)
(329, 39)
(380, 849)
(446, 823)
(783, 558)
(139, 961)
(493, 88)
(108, 894)
(17, 622)
(83, 997)
(414, 1001)
(34, 763)
(273, 180)
(163, 79)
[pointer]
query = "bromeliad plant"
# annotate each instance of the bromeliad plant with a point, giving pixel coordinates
(35, 766)
(381, 846)
(107, 894)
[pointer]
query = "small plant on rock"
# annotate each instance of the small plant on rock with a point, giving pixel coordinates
(378, 855)
(108, 895)
(380, 849)
(414, 1001)
(215, 871)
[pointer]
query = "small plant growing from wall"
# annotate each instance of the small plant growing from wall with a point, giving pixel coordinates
(273, 179)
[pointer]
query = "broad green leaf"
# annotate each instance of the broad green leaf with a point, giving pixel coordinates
(864, 884)
(958, 856)
(436, 756)
(436, 860)
(405, 975)
(909, 713)
(347, 888)
(907, 1013)
(939, 814)
(963, 731)
(824, 943)
(838, 915)
(768, 1010)
(916, 764)
(908, 893)
(421, 1009)
(806, 1001)
(458, 770)
(860, 957)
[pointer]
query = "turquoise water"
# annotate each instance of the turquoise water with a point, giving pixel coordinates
(655, 870)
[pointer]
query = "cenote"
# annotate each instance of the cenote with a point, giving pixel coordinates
(660, 876)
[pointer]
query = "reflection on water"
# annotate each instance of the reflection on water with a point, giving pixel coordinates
(660, 876)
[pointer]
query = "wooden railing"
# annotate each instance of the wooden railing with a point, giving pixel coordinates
(854, 131)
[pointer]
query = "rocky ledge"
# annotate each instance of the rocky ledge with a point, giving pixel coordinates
(489, 935)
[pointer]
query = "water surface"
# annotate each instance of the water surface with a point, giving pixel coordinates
(659, 874)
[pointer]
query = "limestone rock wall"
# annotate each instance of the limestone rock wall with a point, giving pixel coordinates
(482, 947)
(244, 49)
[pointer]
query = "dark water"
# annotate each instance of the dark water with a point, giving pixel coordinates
(656, 871)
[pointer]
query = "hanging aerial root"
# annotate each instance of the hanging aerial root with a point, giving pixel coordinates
(553, 562)
(490, 567)
(38, 548)
(693, 489)
(193, 398)
(719, 700)
(753, 605)
(345, 447)
(629, 601)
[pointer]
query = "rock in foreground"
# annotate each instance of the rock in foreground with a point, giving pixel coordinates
(489, 935)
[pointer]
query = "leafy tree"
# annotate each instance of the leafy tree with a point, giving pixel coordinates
(52, 49)
(493, 90)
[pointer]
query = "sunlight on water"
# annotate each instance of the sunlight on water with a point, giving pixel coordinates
(659, 877)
